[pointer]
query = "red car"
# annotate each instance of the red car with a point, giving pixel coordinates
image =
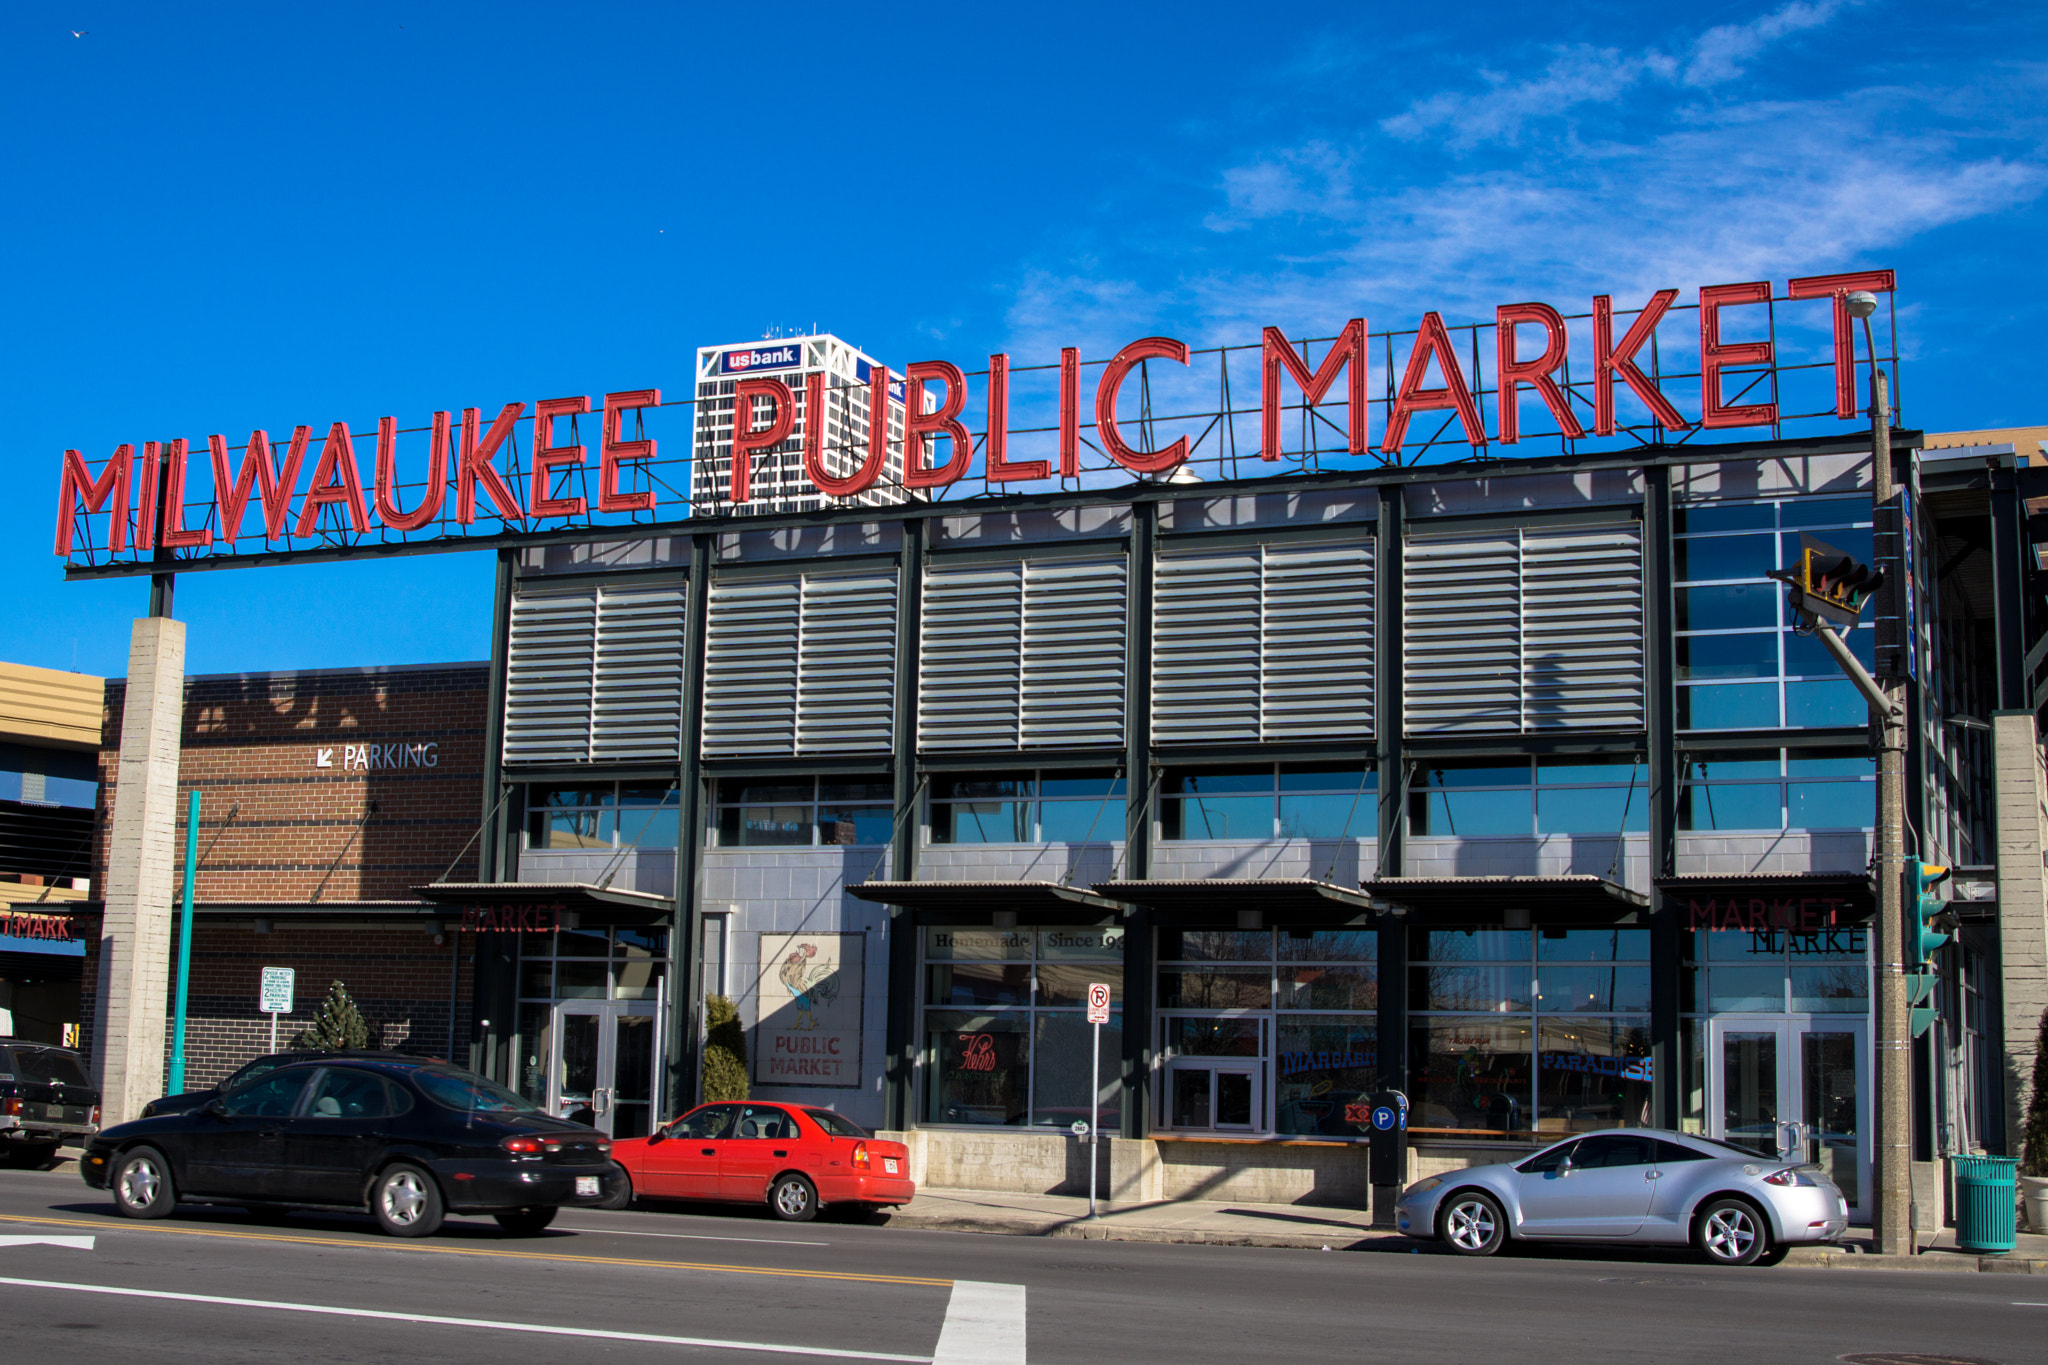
(793, 1158)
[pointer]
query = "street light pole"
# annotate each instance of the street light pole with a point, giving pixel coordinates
(1892, 1168)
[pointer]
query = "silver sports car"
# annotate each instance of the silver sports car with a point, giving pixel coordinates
(1637, 1185)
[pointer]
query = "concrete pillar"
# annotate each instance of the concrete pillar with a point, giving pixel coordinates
(135, 937)
(2021, 789)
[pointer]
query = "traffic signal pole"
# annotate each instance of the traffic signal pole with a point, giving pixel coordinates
(1892, 1168)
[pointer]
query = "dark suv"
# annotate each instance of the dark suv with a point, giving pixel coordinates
(45, 1100)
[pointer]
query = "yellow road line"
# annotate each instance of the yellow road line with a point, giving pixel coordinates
(110, 1225)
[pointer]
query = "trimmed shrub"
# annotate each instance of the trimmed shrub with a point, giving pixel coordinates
(725, 1051)
(338, 1026)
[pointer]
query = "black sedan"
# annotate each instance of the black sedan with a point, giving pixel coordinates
(411, 1141)
(187, 1101)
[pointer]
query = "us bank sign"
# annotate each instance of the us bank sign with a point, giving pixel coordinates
(1630, 376)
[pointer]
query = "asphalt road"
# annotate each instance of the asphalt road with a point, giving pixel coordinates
(222, 1286)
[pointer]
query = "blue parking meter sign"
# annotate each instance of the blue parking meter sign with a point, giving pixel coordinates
(1384, 1118)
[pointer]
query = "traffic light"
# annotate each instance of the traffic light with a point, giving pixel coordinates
(1828, 583)
(1922, 942)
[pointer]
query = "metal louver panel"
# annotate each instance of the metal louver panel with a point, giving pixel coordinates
(637, 709)
(1074, 620)
(549, 658)
(1027, 652)
(1531, 628)
(1582, 627)
(750, 664)
(803, 663)
(971, 656)
(1263, 642)
(846, 663)
(1318, 642)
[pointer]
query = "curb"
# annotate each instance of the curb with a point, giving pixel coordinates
(1099, 1231)
(1934, 1260)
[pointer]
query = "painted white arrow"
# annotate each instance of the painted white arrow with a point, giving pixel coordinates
(75, 1243)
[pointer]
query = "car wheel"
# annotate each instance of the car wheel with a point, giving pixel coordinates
(1472, 1224)
(527, 1222)
(28, 1156)
(794, 1199)
(407, 1202)
(620, 1198)
(142, 1184)
(1731, 1232)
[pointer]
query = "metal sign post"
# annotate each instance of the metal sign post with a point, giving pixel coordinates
(275, 997)
(1098, 1015)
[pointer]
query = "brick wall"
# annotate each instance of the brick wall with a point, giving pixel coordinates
(251, 747)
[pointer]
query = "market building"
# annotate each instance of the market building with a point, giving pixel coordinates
(1505, 783)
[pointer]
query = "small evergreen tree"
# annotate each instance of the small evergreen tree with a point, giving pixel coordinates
(338, 1025)
(2034, 1157)
(725, 1051)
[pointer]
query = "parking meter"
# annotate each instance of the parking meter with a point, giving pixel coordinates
(1386, 1140)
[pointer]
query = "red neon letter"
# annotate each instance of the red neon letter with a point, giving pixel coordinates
(1714, 357)
(176, 537)
(613, 450)
(475, 467)
(1610, 360)
(387, 476)
(1143, 461)
(337, 460)
(548, 457)
(145, 514)
(997, 443)
(1432, 339)
(1535, 373)
(1840, 286)
(78, 484)
(822, 478)
(746, 441)
(1070, 411)
(1349, 347)
(231, 492)
(920, 426)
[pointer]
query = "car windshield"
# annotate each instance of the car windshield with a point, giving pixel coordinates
(836, 1126)
(470, 1093)
(262, 1066)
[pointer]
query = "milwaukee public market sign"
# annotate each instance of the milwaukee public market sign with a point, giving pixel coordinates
(136, 503)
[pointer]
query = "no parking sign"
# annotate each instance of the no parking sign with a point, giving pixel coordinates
(1098, 1002)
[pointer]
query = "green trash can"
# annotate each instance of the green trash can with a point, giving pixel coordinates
(1987, 1197)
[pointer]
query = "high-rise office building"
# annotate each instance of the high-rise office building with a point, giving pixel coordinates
(778, 482)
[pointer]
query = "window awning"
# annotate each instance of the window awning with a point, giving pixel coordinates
(602, 904)
(1773, 900)
(1490, 895)
(1227, 895)
(1024, 897)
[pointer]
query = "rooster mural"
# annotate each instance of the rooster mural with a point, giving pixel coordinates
(812, 985)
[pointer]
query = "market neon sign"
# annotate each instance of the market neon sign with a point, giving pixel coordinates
(1532, 341)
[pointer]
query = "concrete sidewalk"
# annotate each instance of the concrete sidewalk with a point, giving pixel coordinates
(1316, 1228)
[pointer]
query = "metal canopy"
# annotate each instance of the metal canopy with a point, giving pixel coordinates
(1767, 885)
(1213, 895)
(983, 897)
(1486, 895)
(598, 901)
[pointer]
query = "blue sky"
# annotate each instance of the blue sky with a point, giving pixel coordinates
(235, 217)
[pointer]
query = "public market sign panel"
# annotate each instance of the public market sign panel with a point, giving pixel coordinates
(132, 512)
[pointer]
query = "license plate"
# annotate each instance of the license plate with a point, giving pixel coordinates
(889, 1165)
(586, 1184)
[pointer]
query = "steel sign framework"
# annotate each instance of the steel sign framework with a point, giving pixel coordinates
(1586, 383)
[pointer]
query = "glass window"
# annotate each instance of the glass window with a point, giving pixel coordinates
(801, 812)
(1022, 808)
(837, 1125)
(980, 1067)
(704, 1124)
(273, 1096)
(1613, 1150)
(467, 1092)
(1216, 988)
(1746, 790)
(1327, 1069)
(1212, 1037)
(1062, 1055)
(1469, 1075)
(979, 983)
(1214, 945)
(1342, 986)
(1723, 555)
(344, 1094)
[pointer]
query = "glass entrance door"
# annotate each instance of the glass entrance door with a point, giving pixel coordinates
(603, 1071)
(1793, 1088)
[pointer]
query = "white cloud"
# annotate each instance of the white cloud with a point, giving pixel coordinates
(1719, 53)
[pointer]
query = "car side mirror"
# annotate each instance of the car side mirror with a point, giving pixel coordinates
(216, 1109)
(658, 1135)
(1564, 1168)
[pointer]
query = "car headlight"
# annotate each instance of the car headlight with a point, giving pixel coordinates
(1425, 1185)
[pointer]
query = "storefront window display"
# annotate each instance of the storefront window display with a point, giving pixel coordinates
(1268, 1031)
(1007, 1040)
(1522, 1032)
